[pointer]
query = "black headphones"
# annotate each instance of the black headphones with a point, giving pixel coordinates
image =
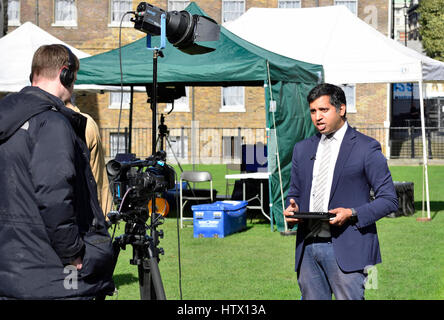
(68, 72)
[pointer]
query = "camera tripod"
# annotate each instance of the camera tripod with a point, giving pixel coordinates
(164, 136)
(145, 250)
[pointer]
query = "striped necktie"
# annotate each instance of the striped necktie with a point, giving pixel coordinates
(320, 187)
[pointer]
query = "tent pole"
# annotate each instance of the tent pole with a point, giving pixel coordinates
(193, 152)
(268, 130)
(424, 147)
(277, 147)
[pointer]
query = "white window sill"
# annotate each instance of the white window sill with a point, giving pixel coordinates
(66, 24)
(232, 109)
(14, 23)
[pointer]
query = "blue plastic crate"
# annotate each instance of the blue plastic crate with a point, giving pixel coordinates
(219, 219)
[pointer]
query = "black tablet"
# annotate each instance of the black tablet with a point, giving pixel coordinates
(312, 215)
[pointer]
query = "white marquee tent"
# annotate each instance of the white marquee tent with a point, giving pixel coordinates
(350, 50)
(16, 51)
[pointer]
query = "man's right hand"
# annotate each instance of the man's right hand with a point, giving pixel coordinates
(291, 209)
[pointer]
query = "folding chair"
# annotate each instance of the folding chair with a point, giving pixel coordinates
(195, 177)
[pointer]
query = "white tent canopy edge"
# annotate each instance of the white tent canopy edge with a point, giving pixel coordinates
(16, 51)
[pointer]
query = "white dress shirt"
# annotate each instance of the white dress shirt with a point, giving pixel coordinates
(336, 141)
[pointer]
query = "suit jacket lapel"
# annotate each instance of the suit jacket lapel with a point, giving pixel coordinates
(311, 154)
(344, 152)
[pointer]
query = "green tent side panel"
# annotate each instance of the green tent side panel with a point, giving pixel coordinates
(290, 123)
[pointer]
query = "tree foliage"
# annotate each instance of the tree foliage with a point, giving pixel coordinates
(431, 20)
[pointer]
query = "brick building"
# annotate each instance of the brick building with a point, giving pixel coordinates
(225, 116)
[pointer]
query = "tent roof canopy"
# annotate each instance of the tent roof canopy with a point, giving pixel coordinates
(17, 50)
(349, 49)
(234, 62)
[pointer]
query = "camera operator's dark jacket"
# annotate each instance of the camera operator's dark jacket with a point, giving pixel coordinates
(49, 212)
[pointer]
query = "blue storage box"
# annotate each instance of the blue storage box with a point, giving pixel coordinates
(216, 220)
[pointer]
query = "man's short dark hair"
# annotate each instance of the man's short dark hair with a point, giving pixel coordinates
(336, 94)
(49, 59)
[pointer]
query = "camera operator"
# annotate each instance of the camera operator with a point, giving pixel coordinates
(54, 240)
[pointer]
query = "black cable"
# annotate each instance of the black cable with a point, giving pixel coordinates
(121, 76)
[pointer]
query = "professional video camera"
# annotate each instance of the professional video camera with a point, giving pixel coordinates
(134, 181)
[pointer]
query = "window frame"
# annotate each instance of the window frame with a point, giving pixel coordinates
(63, 23)
(116, 105)
(235, 107)
(116, 24)
(351, 105)
(223, 8)
(14, 23)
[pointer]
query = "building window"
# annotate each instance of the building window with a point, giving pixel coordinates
(289, 3)
(350, 97)
(233, 99)
(177, 5)
(232, 9)
(180, 105)
(118, 143)
(116, 97)
(179, 147)
(13, 13)
(118, 9)
(352, 5)
(65, 13)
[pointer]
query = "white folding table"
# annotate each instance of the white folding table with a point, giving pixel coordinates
(252, 175)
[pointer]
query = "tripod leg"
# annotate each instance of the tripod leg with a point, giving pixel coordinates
(150, 281)
(174, 154)
(146, 290)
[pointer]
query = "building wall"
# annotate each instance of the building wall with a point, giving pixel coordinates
(93, 35)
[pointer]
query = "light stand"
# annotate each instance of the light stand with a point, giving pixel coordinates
(185, 31)
(150, 281)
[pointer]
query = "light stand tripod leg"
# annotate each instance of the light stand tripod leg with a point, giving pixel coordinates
(174, 154)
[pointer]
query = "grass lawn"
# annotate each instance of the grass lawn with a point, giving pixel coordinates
(259, 264)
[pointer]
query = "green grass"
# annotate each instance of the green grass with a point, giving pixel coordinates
(259, 264)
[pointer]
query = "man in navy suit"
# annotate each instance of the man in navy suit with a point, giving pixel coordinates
(334, 171)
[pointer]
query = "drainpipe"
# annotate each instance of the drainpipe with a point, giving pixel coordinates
(37, 12)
